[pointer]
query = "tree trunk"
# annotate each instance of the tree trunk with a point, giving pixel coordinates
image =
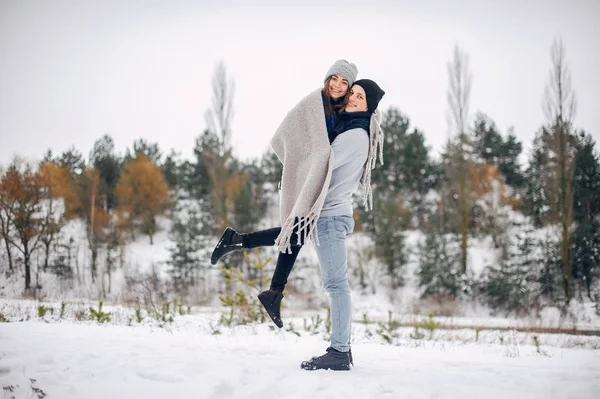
(102, 275)
(108, 269)
(464, 240)
(46, 254)
(92, 243)
(363, 285)
(37, 279)
(78, 274)
(464, 209)
(27, 268)
(5, 231)
(151, 228)
(9, 254)
(47, 240)
(94, 261)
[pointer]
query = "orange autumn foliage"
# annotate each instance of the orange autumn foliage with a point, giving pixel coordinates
(142, 192)
(487, 179)
(56, 183)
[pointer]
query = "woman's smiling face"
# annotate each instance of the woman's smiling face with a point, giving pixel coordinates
(338, 86)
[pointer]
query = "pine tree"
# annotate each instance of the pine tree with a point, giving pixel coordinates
(407, 164)
(108, 164)
(493, 149)
(391, 220)
(72, 160)
(195, 177)
(407, 169)
(391, 175)
(512, 285)
(586, 202)
(150, 150)
(536, 197)
(439, 268)
(586, 255)
(171, 170)
(510, 165)
(551, 276)
(189, 259)
(271, 168)
(260, 186)
(586, 181)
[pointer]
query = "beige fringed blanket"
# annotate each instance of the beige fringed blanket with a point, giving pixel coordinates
(302, 145)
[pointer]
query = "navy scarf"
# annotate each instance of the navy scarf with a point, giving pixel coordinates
(330, 120)
(350, 120)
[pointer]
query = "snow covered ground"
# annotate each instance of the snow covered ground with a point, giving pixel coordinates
(73, 357)
(185, 359)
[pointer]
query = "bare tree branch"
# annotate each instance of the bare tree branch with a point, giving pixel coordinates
(459, 91)
(220, 116)
(559, 99)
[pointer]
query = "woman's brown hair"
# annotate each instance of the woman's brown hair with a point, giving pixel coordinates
(331, 106)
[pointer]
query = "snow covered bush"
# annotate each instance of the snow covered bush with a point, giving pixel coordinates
(438, 272)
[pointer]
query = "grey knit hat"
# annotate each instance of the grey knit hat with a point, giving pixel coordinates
(344, 68)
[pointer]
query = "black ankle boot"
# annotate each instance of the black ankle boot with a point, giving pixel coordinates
(332, 360)
(230, 241)
(271, 301)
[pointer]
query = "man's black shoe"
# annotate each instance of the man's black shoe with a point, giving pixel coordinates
(349, 355)
(332, 360)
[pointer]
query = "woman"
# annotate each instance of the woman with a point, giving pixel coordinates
(355, 141)
(318, 114)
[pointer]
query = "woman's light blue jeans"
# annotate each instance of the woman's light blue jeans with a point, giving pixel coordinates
(331, 251)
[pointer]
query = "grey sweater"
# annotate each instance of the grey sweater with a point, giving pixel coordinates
(350, 152)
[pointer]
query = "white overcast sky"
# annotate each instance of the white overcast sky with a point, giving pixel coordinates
(71, 71)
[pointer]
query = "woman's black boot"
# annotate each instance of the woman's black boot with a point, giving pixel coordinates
(271, 300)
(230, 241)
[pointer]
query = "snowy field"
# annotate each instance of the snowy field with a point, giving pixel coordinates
(186, 359)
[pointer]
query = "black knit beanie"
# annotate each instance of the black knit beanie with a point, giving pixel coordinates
(373, 92)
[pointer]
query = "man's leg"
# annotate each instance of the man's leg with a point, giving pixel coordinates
(334, 272)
